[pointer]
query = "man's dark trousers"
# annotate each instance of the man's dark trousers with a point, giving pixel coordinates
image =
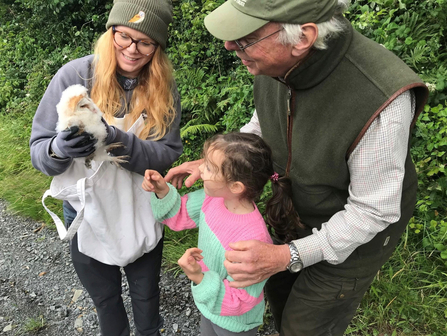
(313, 303)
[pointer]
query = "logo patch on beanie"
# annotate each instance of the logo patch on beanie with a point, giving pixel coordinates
(137, 17)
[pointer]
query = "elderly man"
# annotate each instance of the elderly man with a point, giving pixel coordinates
(337, 109)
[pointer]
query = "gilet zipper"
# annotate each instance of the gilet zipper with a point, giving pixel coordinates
(290, 109)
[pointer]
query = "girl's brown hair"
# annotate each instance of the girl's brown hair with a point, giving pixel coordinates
(248, 159)
(153, 94)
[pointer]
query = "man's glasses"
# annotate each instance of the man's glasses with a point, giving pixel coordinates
(241, 43)
(144, 47)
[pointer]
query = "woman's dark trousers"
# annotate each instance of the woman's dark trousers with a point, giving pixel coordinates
(103, 283)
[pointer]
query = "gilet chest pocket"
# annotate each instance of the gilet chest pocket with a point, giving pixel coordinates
(321, 200)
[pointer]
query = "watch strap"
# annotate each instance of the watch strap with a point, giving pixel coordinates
(294, 258)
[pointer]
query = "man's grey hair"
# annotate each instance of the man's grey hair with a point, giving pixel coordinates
(292, 33)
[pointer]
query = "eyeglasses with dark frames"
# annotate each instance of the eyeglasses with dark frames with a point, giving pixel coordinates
(243, 47)
(124, 41)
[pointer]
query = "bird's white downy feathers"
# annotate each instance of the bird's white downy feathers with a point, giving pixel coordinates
(75, 108)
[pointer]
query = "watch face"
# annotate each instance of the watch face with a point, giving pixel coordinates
(296, 267)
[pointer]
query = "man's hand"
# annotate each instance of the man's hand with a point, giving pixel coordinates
(252, 261)
(177, 174)
(154, 182)
(189, 264)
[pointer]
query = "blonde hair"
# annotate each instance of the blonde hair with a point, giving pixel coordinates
(152, 95)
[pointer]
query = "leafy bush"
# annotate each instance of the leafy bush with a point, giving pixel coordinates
(429, 152)
(215, 89)
(39, 36)
(33, 48)
(413, 30)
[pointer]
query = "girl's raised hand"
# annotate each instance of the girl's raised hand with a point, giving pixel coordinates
(189, 264)
(153, 181)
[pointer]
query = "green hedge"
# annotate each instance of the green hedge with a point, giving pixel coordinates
(39, 36)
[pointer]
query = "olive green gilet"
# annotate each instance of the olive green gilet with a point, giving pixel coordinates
(333, 96)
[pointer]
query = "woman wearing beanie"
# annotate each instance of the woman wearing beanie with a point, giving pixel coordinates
(129, 78)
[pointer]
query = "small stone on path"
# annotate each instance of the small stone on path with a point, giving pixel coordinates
(7, 328)
(78, 322)
(76, 295)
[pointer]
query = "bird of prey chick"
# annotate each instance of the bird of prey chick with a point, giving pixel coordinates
(77, 109)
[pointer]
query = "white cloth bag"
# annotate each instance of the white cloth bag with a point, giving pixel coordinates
(114, 221)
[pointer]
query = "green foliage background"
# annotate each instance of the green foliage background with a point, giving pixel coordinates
(38, 36)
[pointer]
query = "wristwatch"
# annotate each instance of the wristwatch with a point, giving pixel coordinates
(295, 264)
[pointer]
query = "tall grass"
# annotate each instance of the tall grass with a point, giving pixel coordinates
(408, 296)
(20, 184)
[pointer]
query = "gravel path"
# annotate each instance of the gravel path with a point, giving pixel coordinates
(38, 285)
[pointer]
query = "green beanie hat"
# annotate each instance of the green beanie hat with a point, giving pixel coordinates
(151, 17)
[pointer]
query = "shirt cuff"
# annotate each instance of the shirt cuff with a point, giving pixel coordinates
(309, 249)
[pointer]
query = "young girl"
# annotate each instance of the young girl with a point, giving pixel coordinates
(235, 169)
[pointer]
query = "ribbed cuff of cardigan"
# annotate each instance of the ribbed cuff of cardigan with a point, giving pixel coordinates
(161, 207)
(207, 288)
(310, 250)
